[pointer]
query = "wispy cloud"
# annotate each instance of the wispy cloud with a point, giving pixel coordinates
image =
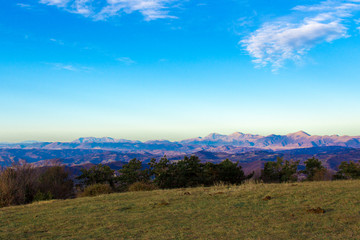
(69, 67)
(292, 36)
(126, 60)
(24, 5)
(61, 66)
(60, 42)
(82, 7)
(150, 9)
(58, 3)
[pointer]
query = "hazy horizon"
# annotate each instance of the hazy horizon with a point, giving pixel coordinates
(170, 139)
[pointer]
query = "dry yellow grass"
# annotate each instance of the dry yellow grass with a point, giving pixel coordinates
(219, 212)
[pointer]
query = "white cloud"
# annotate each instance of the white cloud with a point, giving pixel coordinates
(126, 60)
(60, 42)
(82, 7)
(59, 3)
(24, 5)
(291, 37)
(61, 66)
(357, 21)
(150, 9)
(69, 67)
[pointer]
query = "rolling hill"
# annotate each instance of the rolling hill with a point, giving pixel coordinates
(308, 210)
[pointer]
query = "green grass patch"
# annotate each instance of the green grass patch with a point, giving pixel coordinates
(220, 212)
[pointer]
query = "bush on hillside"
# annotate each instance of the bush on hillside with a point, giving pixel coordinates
(186, 173)
(161, 172)
(322, 175)
(99, 174)
(230, 173)
(313, 168)
(23, 183)
(40, 196)
(55, 182)
(141, 186)
(18, 184)
(96, 189)
(130, 173)
(348, 170)
(280, 171)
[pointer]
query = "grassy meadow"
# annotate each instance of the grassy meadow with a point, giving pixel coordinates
(220, 212)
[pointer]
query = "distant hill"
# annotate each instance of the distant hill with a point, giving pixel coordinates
(249, 160)
(70, 157)
(235, 143)
(299, 139)
(252, 151)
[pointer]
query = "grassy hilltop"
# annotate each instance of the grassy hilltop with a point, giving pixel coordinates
(220, 212)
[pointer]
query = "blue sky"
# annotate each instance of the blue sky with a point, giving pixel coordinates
(171, 69)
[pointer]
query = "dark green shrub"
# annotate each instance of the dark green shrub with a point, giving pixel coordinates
(348, 170)
(130, 173)
(141, 186)
(95, 190)
(230, 173)
(161, 172)
(187, 173)
(279, 171)
(313, 166)
(39, 196)
(99, 174)
(184, 173)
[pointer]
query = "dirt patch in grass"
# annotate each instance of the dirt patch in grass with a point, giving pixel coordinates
(124, 208)
(317, 210)
(267, 198)
(163, 203)
(217, 193)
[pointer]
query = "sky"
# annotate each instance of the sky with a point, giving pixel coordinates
(176, 69)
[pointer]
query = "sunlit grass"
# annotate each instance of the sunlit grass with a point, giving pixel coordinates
(219, 212)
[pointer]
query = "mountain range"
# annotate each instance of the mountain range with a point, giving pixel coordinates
(213, 142)
(252, 151)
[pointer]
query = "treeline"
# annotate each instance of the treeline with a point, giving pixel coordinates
(24, 183)
(190, 172)
(163, 174)
(287, 171)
